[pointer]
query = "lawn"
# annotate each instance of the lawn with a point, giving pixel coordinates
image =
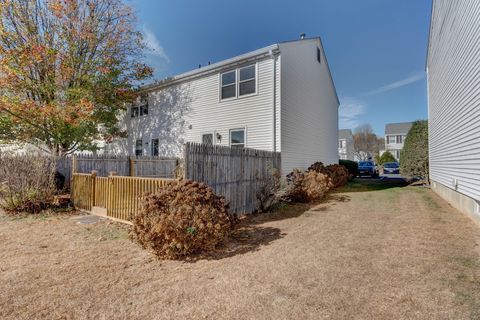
(371, 251)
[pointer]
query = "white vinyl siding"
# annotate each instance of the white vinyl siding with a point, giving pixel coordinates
(454, 95)
(309, 111)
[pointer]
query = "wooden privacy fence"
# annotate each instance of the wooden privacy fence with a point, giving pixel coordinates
(236, 173)
(118, 197)
(142, 166)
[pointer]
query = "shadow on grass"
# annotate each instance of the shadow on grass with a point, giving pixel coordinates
(365, 185)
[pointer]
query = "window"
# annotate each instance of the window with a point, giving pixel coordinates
(390, 139)
(247, 83)
(155, 147)
(237, 138)
(138, 147)
(134, 112)
(207, 138)
(343, 143)
(399, 139)
(144, 107)
(319, 55)
(229, 84)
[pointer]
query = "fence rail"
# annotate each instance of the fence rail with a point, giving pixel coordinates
(236, 173)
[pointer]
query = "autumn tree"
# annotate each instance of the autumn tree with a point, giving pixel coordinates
(365, 142)
(67, 67)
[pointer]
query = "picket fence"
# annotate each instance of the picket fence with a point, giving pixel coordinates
(235, 173)
(117, 197)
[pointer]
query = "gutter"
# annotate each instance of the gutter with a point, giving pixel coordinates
(212, 69)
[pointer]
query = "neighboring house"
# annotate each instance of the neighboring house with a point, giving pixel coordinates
(279, 98)
(453, 73)
(395, 134)
(345, 144)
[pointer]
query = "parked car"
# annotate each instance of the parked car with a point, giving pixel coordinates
(367, 168)
(391, 168)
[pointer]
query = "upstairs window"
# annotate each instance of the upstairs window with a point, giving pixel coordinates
(229, 84)
(144, 107)
(247, 81)
(319, 55)
(399, 139)
(237, 138)
(138, 147)
(391, 139)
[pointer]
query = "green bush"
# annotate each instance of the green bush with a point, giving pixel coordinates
(414, 156)
(387, 156)
(352, 167)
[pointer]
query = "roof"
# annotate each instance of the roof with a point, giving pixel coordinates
(344, 133)
(228, 63)
(398, 128)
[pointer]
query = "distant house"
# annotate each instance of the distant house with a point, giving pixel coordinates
(278, 98)
(345, 144)
(395, 134)
(453, 73)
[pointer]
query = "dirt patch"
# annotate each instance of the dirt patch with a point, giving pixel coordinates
(390, 253)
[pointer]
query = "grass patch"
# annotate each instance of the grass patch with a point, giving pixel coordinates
(364, 185)
(111, 231)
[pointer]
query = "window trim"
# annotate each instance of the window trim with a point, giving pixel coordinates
(244, 129)
(241, 81)
(208, 132)
(237, 83)
(235, 71)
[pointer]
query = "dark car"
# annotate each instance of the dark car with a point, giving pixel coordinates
(367, 168)
(391, 168)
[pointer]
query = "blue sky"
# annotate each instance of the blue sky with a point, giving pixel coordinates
(376, 48)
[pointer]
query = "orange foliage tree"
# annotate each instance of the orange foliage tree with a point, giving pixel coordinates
(67, 67)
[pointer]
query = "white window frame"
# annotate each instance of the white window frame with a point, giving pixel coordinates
(237, 83)
(234, 84)
(244, 129)
(256, 81)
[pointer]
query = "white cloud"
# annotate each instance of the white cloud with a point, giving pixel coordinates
(397, 84)
(349, 112)
(154, 45)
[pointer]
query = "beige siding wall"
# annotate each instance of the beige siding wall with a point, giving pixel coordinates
(309, 111)
(454, 95)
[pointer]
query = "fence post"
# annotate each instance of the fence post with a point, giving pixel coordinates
(93, 186)
(74, 164)
(131, 166)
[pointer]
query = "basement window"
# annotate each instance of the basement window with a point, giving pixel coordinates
(207, 138)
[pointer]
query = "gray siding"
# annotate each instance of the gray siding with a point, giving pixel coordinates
(309, 115)
(453, 67)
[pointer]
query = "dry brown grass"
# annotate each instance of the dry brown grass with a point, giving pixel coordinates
(399, 253)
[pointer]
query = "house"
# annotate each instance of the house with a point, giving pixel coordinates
(395, 134)
(345, 144)
(453, 78)
(278, 98)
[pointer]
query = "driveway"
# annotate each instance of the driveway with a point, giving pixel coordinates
(372, 251)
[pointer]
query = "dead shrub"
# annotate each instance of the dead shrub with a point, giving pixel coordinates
(270, 192)
(182, 219)
(27, 182)
(337, 173)
(307, 186)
